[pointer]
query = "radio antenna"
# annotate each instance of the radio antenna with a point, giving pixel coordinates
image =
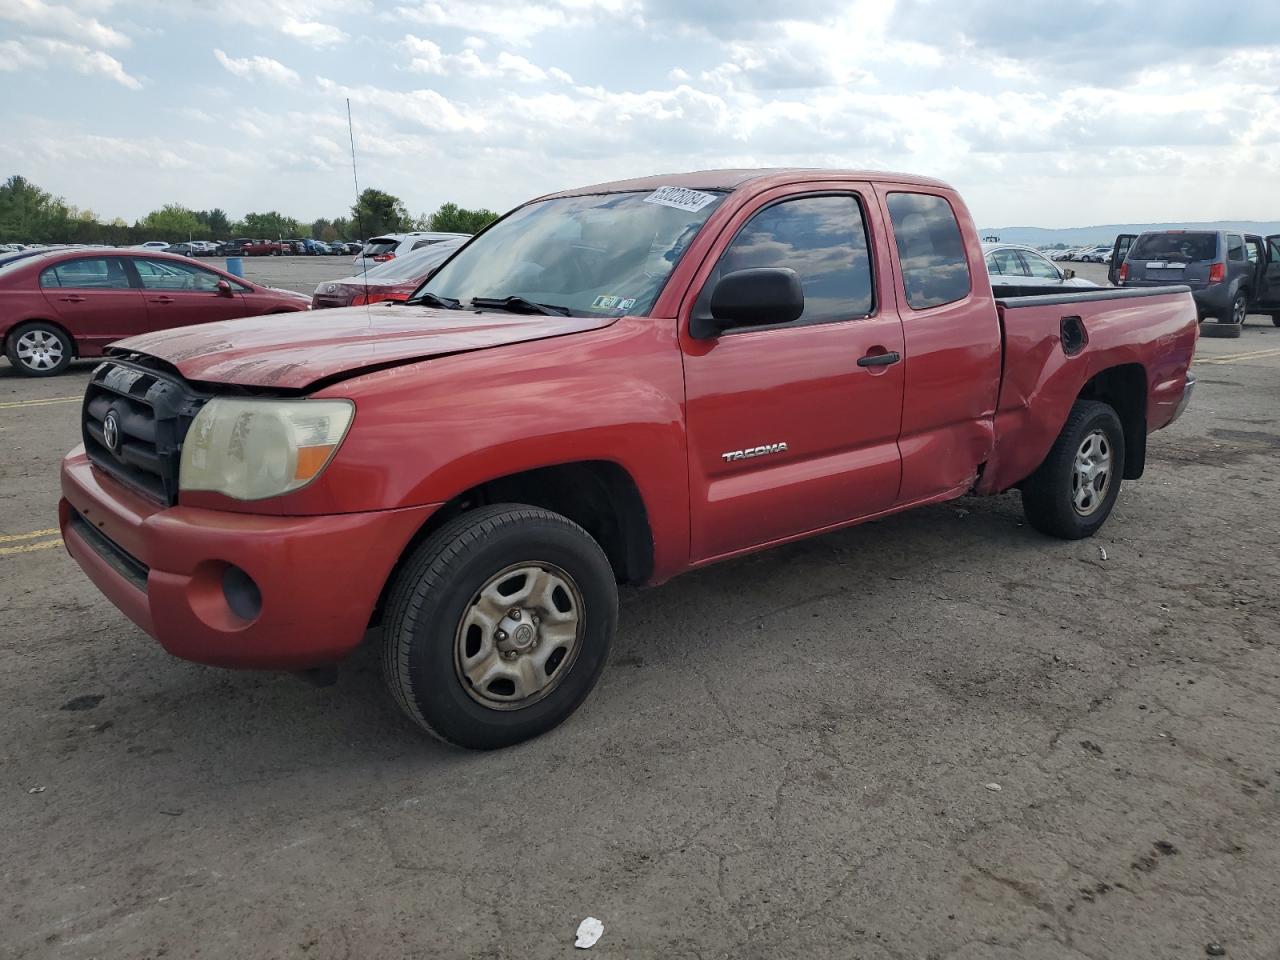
(355, 180)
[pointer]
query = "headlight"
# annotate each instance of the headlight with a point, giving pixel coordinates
(254, 449)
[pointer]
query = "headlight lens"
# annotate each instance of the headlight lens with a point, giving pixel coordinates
(254, 449)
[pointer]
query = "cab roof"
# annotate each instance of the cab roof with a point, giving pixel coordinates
(730, 180)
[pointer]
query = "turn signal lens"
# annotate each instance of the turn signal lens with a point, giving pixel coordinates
(1124, 272)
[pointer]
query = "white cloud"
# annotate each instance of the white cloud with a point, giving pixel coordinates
(427, 57)
(42, 52)
(514, 22)
(42, 17)
(258, 68)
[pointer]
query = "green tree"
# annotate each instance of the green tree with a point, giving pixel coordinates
(269, 226)
(451, 218)
(29, 214)
(172, 222)
(379, 212)
(216, 220)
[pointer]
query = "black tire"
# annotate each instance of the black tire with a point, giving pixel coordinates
(1275, 319)
(1236, 313)
(1048, 495)
(440, 583)
(58, 353)
(1221, 331)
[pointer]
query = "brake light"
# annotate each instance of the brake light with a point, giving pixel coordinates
(384, 257)
(1217, 272)
(361, 299)
(1124, 272)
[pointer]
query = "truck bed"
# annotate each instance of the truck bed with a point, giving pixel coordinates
(1054, 343)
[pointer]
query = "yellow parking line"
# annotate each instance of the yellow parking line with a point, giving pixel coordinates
(30, 547)
(1237, 357)
(38, 403)
(9, 537)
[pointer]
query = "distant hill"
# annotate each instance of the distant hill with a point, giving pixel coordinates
(1106, 233)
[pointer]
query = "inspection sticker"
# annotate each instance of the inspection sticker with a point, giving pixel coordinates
(681, 198)
(606, 303)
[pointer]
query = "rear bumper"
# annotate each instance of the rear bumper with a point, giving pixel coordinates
(1185, 400)
(312, 582)
(1214, 301)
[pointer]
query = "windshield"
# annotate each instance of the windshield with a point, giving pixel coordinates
(380, 245)
(591, 255)
(1180, 247)
(414, 265)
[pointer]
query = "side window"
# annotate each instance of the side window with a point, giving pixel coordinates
(171, 275)
(101, 273)
(1235, 248)
(1005, 263)
(1275, 249)
(935, 269)
(1040, 267)
(824, 240)
(1254, 248)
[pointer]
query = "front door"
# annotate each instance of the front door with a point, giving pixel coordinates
(1268, 295)
(794, 427)
(95, 299)
(179, 294)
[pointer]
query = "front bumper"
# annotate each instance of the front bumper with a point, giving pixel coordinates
(230, 589)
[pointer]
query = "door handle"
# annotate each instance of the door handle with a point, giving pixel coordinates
(161, 300)
(72, 299)
(879, 359)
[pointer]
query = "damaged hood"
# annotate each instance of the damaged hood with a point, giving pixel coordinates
(291, 351)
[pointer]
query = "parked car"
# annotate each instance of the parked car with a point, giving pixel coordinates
(1230, 274)
(61, 305)
(263, 248)
(182, 249)
(1094, 254)
(612, 384)
(158, 245)
(394, 280)
(351, 246)
(1013, 267)
(235, 248)
(392, 245)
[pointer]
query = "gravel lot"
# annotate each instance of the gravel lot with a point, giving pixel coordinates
(791, 755)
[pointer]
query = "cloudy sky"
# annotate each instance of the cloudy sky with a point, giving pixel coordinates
(1049, 114)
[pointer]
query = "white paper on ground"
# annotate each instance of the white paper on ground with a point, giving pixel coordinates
(589, 931)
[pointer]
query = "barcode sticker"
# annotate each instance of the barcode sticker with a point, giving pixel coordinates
(682, 198)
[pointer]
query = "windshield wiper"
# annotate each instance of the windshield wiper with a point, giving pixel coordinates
(435, 300)
(520, 305)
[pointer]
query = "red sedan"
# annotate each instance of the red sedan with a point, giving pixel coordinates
(65, 304)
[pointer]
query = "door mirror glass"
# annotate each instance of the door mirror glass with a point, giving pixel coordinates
(756, 297)
(1068, 274)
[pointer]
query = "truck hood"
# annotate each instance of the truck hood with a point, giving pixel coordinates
(292, 351)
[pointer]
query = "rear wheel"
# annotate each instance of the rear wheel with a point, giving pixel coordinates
(40, 350)
(1072, 493)
(1239, 310)
(499, 625)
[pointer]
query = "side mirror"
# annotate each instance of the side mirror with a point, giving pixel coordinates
(758, 297)
(225, 289)
(1068, 274)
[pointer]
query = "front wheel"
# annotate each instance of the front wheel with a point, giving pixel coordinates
(1072, 493)
(499, 625)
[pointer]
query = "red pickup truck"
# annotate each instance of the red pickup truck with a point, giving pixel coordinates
(608, 385)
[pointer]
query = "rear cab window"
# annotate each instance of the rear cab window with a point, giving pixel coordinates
(931, 250)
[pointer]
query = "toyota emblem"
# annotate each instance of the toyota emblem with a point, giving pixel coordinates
(111, 431)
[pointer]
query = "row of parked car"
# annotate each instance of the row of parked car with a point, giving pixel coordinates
(1090, 253)
(60, 304)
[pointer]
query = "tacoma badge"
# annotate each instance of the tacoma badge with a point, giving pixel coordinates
(754, 452)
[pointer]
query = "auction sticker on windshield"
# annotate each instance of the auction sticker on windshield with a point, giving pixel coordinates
(681, 198)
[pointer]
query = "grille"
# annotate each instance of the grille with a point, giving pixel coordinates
(150, 414)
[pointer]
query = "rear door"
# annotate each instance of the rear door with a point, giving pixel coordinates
(178, 294)
(96, 299)
(1269, 294)
(1040, 271)
(1119, 250)
(788, 431)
